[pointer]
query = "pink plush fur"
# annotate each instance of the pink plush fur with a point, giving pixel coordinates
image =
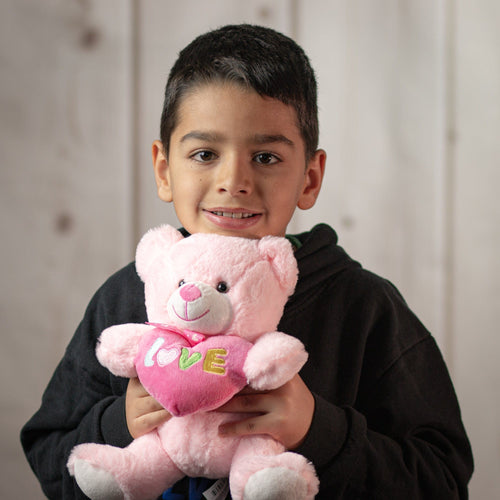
(275, 358)
(214, 303)
(118, 347)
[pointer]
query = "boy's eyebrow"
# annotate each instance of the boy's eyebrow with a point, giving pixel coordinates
(271, 138)
(202, 136)
(259, 139)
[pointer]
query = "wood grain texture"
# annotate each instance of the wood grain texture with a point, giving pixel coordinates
(476, 236)
(63, 203)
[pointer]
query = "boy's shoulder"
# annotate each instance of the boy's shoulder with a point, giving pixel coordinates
(121, 297)
(126, 274)
(121, 281)
(320, 258)
(325, 265)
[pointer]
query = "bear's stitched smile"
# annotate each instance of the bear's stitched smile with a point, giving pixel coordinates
(186, 315)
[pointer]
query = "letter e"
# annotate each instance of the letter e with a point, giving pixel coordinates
(214, 361)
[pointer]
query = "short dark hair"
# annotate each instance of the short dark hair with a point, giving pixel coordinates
(255, 57)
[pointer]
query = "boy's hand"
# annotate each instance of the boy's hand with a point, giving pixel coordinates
(284, 413)
(143, 412)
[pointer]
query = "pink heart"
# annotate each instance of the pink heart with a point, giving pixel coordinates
(166, 356)
(190, 379)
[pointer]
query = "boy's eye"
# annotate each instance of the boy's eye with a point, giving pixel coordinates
(266, 158)
(204, 156)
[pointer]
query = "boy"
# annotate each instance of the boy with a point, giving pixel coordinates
(373, 408)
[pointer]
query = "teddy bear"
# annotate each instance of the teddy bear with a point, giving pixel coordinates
(213, 304)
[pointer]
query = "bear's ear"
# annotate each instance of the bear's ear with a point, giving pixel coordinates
(154, 243)
(279, 252)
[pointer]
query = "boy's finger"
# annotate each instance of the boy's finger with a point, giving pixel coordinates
(135, 388)
(246, 403)
(249, 426)
(240, 428)
(250, 390)
(150, 421)
(147, 404)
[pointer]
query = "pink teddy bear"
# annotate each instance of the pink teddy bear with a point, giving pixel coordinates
(213, 304)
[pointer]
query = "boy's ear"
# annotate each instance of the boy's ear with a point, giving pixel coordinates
(312, 180)
(162, 173)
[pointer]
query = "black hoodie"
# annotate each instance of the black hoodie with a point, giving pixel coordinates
(386, 422)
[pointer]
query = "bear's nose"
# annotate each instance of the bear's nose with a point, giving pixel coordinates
(190, 292)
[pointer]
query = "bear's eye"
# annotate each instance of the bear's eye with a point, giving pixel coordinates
(222, 287)
(181, 282)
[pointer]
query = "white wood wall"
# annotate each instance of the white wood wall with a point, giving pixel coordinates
(410, 118)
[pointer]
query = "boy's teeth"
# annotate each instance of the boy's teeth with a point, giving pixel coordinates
(234, 215)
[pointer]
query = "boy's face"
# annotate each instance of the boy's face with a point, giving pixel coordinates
(236, 164)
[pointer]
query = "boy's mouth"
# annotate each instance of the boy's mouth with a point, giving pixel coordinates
(233, 215)
(232, 219)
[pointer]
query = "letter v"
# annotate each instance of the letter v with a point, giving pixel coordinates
(186, 361)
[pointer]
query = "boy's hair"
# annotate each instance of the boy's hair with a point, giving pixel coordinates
(252, 56)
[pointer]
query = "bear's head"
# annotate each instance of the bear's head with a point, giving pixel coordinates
(215, 284)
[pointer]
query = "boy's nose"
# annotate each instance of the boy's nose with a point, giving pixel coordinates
(235, 178)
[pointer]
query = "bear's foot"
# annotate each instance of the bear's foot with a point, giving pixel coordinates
(141, 471)
(96, 483)
(262, 470)
(276, 483)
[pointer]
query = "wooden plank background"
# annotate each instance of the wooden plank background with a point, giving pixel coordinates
(410, 119)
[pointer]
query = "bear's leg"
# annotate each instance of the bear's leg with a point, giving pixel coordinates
(263, 470)
(142, 470)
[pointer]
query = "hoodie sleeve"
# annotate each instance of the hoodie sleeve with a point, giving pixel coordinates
(407, 442)
(83, 402)
(387, 422)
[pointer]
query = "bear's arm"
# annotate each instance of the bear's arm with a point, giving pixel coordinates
(118, 346)
(274, 360)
